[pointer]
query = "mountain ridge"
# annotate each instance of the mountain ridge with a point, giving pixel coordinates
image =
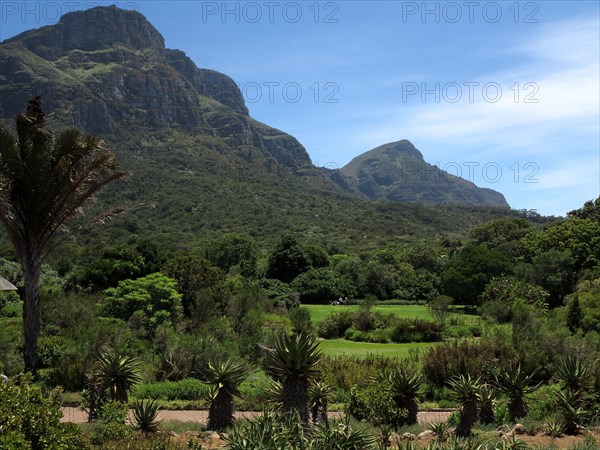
(186, 134)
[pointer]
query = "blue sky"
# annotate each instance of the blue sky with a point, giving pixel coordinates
(506, 93)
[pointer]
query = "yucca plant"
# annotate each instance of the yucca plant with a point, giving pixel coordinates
(554, 429)
(571, 410)
(517, 386)
(406, 386)
(293, 363)
(573, 374)
(465, 390)
(225, 378)
(318, 399)
(487, 398)
(440, 429)
(118, 373)
(144, 416)
(340, 436)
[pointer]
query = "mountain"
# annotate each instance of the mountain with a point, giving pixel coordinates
(398, 172)
(194, 151)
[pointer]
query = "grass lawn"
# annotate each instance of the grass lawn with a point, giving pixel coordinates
(318, 312)
(337, 347)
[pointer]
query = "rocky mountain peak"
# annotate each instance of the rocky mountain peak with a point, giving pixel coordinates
(91, 30)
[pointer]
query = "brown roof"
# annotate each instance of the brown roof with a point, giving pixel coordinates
(6, 285)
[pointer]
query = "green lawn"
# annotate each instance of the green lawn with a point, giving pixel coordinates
(337, 347)
(318, 312)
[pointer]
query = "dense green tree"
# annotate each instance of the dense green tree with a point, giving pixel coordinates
(116, 264)
(317, 286)
(316, 255)
(503, 235)
(583, 310)
(578, 236)
(233, 250)
(44, 183)
(288, 260)
(419, 284)
(469, 271)
(506, 290)
(201, 284)
(554, 270)
(154, 296)
(590, 210)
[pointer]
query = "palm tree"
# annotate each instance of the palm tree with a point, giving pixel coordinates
(517, 386)
(118, 373)
(406, 388)
(225, 377)
(293, 363)
(466, 391)
(44, 182)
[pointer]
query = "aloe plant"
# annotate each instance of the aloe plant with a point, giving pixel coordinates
(144, 416)
(406, 386)
(293, 363)
(517, 386)
(118, 373)
(225, 378)
(465, 390)
(487, 398)
(318, 399)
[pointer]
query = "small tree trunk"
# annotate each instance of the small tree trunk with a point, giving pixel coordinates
(295, 397)
(486, 413)
(468, 416)
(32, 269)
(220, 414)
(516, 409)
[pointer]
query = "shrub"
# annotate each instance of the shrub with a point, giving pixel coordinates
(479, 359)
(416, 330)
(186, 389)
(335, 325)
(30, 418)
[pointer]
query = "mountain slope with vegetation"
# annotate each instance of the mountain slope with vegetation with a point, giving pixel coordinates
(194, 151)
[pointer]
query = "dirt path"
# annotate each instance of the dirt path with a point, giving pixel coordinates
(76, 415)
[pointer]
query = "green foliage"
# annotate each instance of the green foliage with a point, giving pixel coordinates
(507, 290)
(301, 320)
(469, 271)
(479, 359)
(335, 325)
(155, 295)
(517, 386)
(186, 389)
(503, 235)
(234, 250)
(294, 355)
(418, 285)
(30, 418)
(406, 388)
(144, 416)
(465, 390)
(416, 330)
(440, 308)
(111, 424)
(317, 286)
(118, 373)
(554, 271)
(584, 307)
(279, 293)
(201, 285)
(288, 260)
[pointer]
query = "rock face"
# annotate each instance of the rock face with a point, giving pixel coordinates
(106, 70)
(398, 172)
